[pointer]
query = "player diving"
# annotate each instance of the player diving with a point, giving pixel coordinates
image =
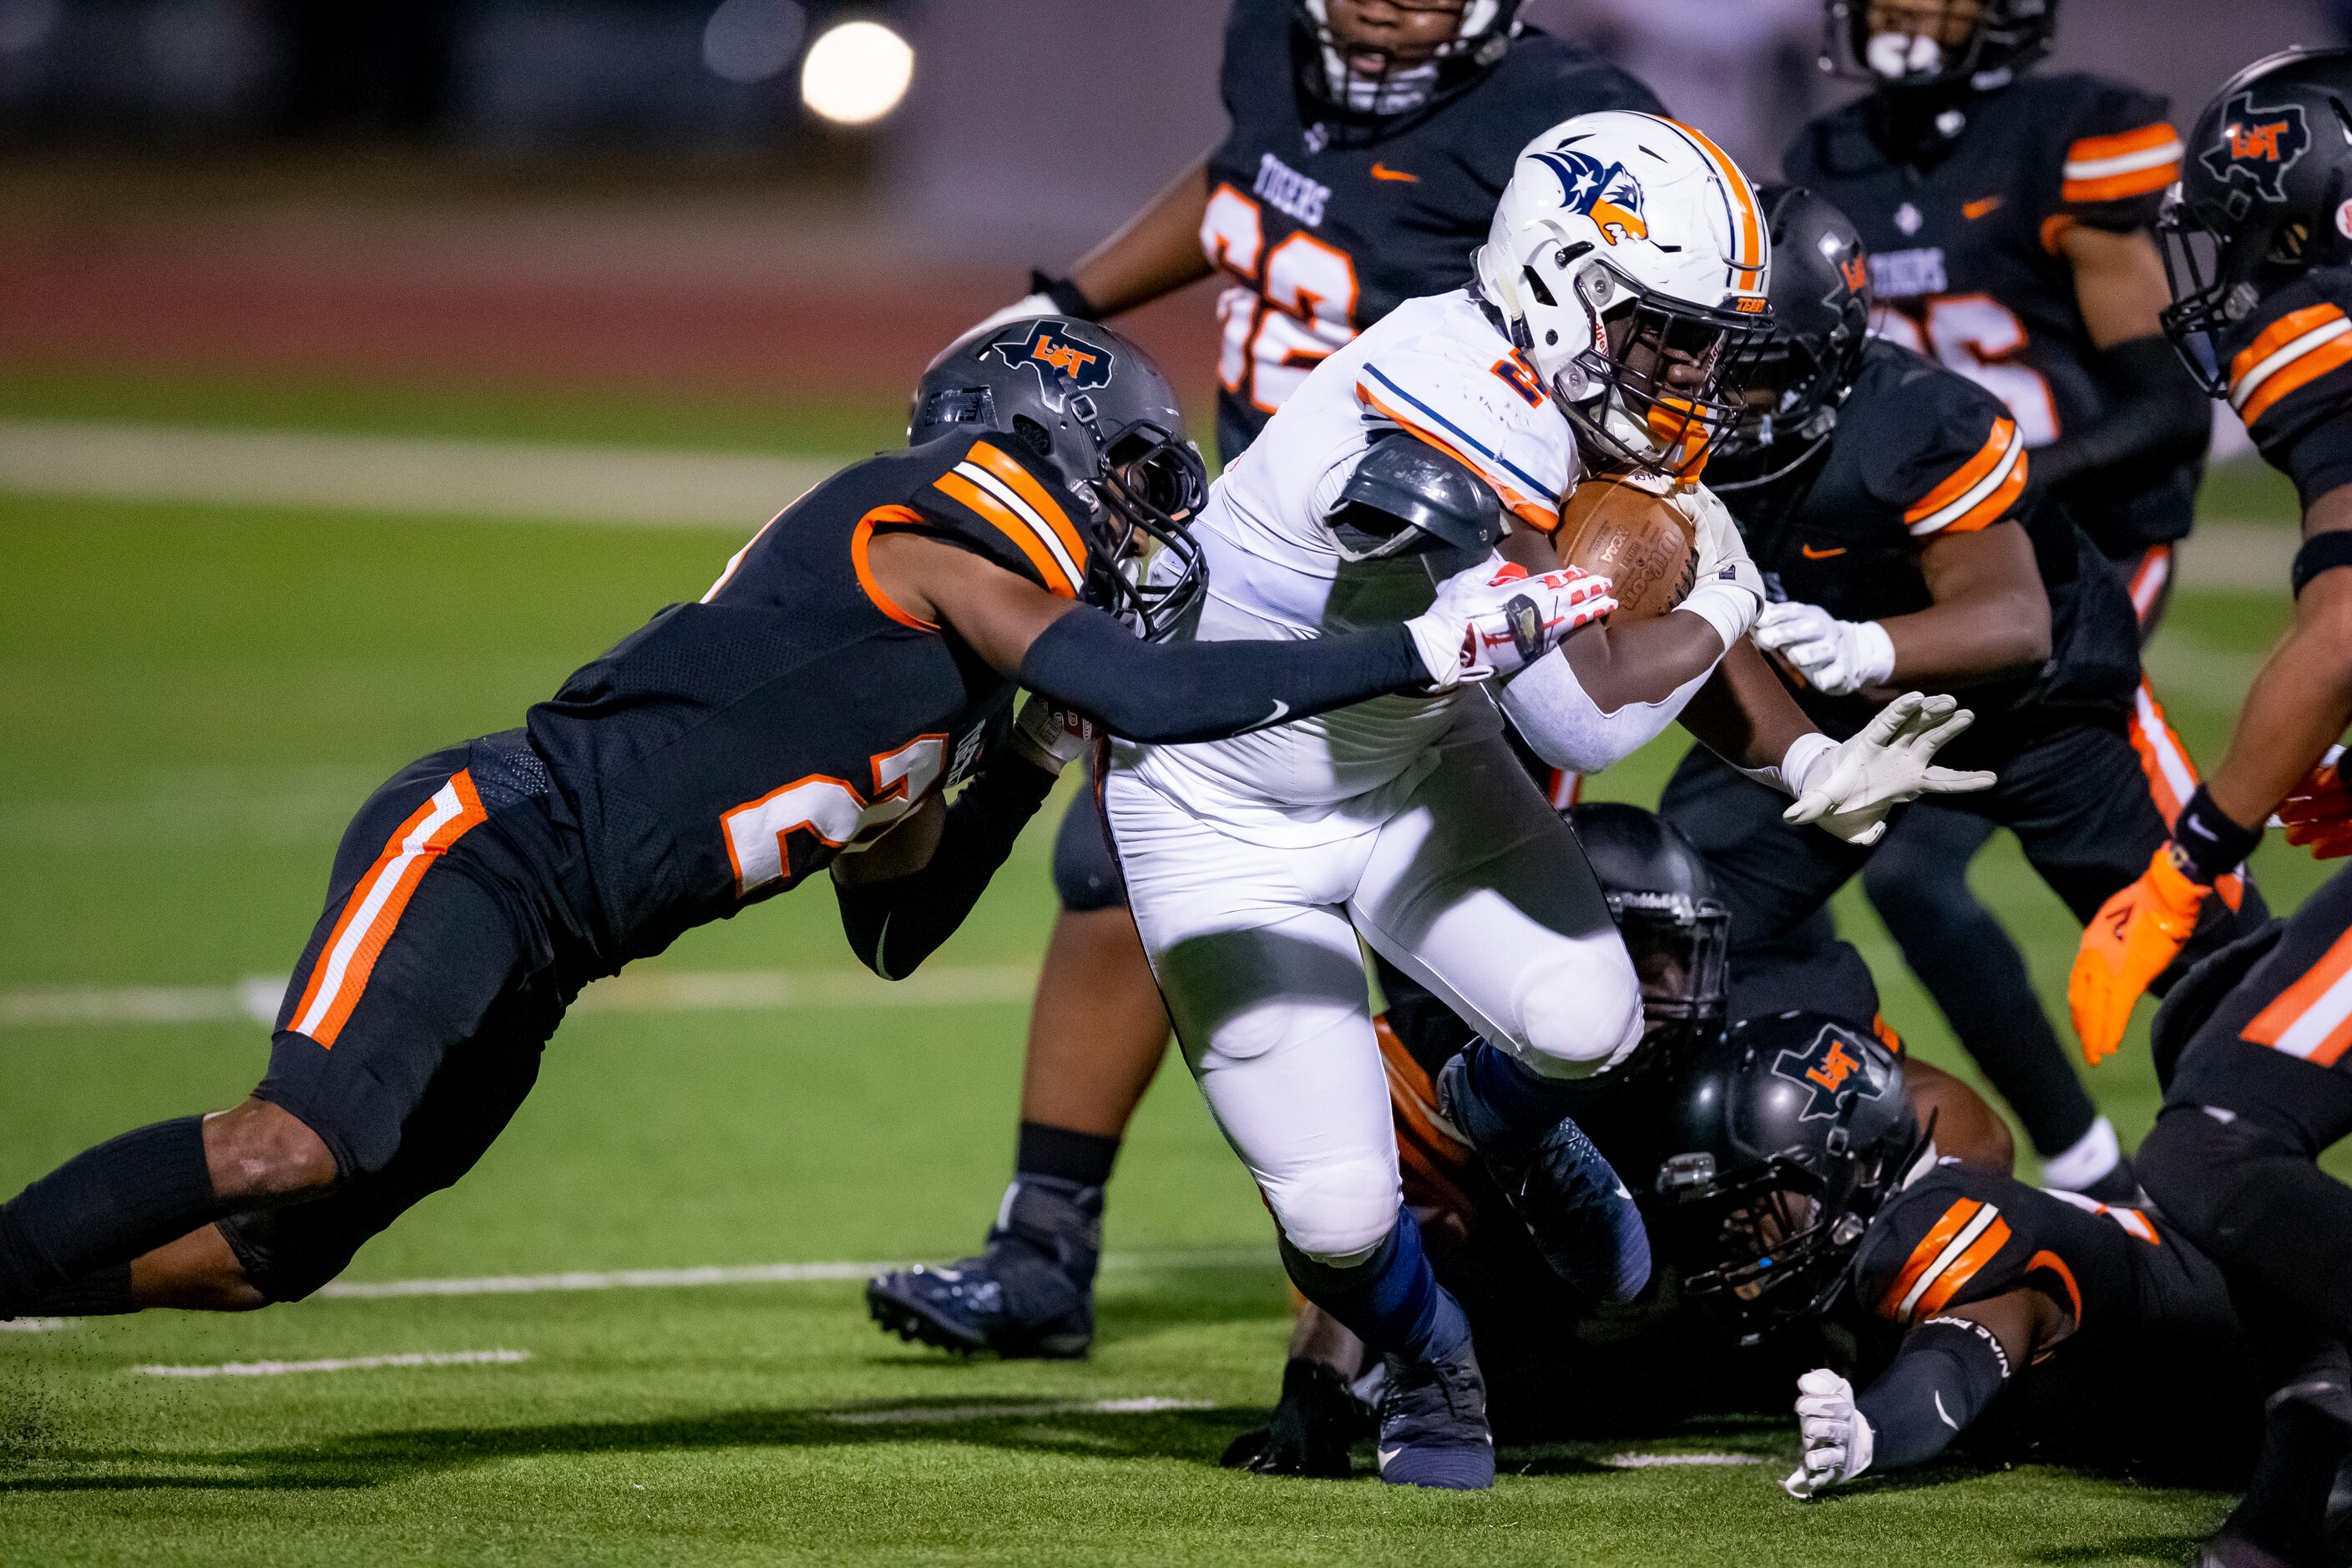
(852, 663)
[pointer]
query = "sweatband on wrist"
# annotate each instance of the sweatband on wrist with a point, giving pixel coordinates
(1876, 651)
(1947, 1373)
(1730, 609)
(2322, 553)
(1067, 296)
(2209, 840)
(1803, 752)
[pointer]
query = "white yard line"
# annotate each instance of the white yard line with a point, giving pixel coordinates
(1660, 1461)
(511, 480)
(751, 1274)
(920, 1415)
(33, 1325)
(339, 1364)
(256, 999)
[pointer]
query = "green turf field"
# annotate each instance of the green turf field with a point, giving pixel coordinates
(193, 700)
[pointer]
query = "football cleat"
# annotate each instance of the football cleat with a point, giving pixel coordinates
(1310, 1431)
(1030, 1294)
(1433, 1430)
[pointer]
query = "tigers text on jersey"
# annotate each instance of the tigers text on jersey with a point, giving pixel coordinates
(1920, 452)
(730, 748)
(1320, 240)
(2291, 380)
(1964, 257)
(1436, 369)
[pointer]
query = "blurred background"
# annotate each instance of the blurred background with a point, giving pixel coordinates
(644, 199)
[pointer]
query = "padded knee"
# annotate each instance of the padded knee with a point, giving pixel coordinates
(1338, 1213)
(2208, 1176)
(1085, 875)
(1580, 1017)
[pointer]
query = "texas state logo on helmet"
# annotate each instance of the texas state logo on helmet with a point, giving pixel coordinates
(1835, 1067)
(1050, 344)
(2257, 145)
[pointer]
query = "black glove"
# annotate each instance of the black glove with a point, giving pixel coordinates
(1310, 1431)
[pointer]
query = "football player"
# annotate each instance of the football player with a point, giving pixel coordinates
(852, 662)
(1624, 272)
(2261, 277)
(1369, 140)
(2007, 213)
(1882, 496)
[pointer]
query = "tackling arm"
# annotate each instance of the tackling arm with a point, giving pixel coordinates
(2302, 701)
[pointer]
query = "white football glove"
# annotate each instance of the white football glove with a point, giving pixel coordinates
(1726, 586)
(1027, 305)
(1838, 1439)
(1495, 619)
(1051, 736)
(1838, 658)
(1848, 788)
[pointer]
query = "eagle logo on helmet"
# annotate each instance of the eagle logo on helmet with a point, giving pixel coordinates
(1830, 1073)
(1049, 345)
(1605, 193)
(2258, 146)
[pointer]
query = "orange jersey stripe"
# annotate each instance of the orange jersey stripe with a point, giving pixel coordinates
(2146, 139)
(2313, 1017)
(1014, 529)
(2115, 188)
(1023, 483)
(1533, 512)
(339, 976)
(2277, 335)
(1994, 507)
(1963, 1269)
(1967, 476)
(2045, 1259)
(2300, 373)
(860, 539)
(1923, 1256)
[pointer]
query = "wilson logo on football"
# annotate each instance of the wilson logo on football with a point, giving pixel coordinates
(1830, 1073)
(2258, 146)
(1049, 343)
(1604, 192)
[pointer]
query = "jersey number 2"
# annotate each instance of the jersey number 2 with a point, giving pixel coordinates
(830, 808)
(1299, 303)
(1978, 336)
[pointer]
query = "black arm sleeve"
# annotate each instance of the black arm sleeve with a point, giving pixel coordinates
(1166, 693)
(894, 925)
(2157, 420)
(1946, 1373)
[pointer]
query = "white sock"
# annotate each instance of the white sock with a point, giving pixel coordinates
(2089, 1158)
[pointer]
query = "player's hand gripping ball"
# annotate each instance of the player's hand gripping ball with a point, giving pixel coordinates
(1629, 529)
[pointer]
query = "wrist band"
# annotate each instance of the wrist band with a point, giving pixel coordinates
(1067, 296)
(2321, 552)
(2213, 844)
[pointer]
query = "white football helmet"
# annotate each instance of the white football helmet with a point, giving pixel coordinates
(1628, 259)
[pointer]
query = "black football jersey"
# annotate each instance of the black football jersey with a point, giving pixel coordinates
(1957, 1236)
(732, 747)
(1321, 236)
(1919, 450)
(1964, 257)
(2291, 380)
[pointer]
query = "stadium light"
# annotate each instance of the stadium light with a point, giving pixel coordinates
(752, 40)
(856, 73)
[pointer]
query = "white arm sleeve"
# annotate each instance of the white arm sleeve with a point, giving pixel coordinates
(1568, 730)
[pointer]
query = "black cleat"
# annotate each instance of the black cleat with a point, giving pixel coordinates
(1433, 1430)
(1030, 1294)
(1313, 1426)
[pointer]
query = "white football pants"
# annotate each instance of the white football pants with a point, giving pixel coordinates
(1472, 887)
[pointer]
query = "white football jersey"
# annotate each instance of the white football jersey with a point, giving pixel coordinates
(1434, 368)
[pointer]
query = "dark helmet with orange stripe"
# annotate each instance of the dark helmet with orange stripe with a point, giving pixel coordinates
(1790, 1129)
(1092, 405)
(2265, 195)
(1911, 46)
(1796, 380)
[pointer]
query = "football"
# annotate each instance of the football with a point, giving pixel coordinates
(1625, 528)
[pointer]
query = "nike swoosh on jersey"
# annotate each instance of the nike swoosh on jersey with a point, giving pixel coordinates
(1382, 172)
(1810, 553)
(1280, 709)
(1978, 209)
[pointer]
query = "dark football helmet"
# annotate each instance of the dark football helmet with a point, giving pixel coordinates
(1936, 45)
(1662, 898)
(2262, 198)
(1358, 104)
(1090, 403)
(1797, 379)
(1791, 1131)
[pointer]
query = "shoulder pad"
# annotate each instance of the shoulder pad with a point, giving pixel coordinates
(1932, 1244)
(1940, 446)
(2121, 154)
(985, 494)
(1402, 486)
(2289, 352)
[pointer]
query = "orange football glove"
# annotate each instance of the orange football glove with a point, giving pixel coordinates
(2318, 812)
(2129, 944)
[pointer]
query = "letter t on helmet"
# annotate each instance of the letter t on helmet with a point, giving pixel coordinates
(1628, 260)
